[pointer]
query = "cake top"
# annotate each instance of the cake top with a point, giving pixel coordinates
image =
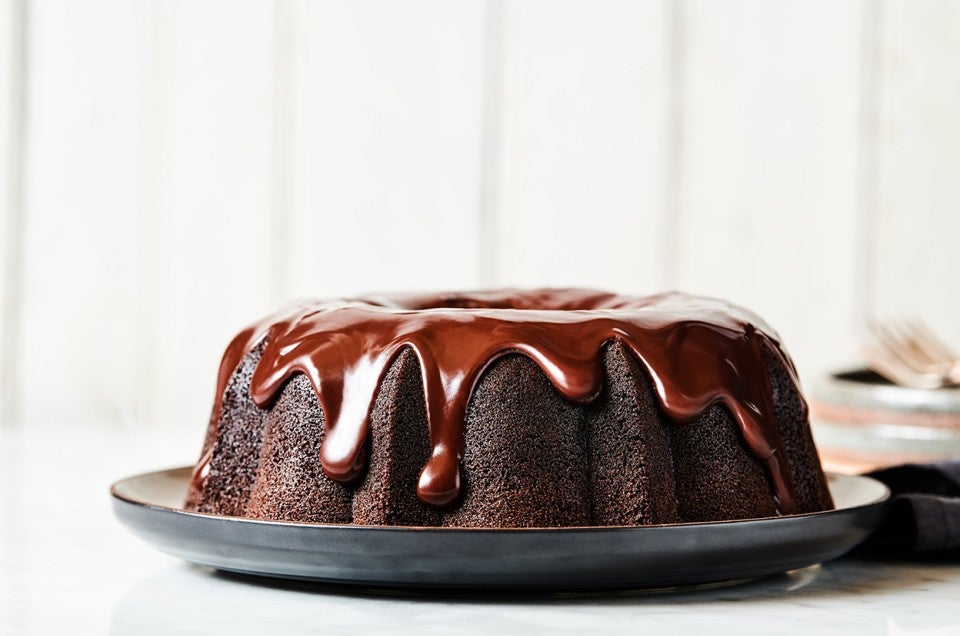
(698, 351)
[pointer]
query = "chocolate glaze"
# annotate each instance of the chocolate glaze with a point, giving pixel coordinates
(698, 351)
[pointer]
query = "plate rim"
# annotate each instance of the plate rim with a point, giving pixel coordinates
(557, 558)
(882, 498)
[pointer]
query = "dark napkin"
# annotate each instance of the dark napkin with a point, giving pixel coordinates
(923, 518)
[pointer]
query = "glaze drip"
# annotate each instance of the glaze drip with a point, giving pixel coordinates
(699, 352)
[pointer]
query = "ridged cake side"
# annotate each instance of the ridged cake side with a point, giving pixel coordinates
(531, 457)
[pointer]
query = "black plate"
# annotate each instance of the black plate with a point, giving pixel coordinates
(565, 558)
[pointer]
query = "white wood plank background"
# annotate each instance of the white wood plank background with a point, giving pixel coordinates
(11, 107)
(85, 202)
(768, 169)
(185, 166)
(919, 164)
(210, 225)
(386, 147)
(583, 102)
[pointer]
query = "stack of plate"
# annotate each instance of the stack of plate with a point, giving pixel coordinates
(861, 421)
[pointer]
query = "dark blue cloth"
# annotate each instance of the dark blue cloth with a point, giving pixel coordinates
(923, 518)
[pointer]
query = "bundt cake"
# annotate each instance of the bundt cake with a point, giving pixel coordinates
(508, 408)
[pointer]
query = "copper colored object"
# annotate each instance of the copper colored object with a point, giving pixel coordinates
(862, 421)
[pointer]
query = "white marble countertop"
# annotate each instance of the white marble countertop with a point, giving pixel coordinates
(67, 566)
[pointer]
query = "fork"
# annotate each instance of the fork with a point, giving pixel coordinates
(909, 354)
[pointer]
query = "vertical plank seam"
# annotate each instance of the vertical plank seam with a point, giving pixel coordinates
(280, 213)
(673, 143)
(865, 280)
(16, 150)
(489, 228)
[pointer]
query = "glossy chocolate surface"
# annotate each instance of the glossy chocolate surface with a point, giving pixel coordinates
(698, 351)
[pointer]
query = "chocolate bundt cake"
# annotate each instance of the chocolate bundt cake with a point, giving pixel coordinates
(509, 409)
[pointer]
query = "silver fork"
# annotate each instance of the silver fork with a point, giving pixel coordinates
(909, 354)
